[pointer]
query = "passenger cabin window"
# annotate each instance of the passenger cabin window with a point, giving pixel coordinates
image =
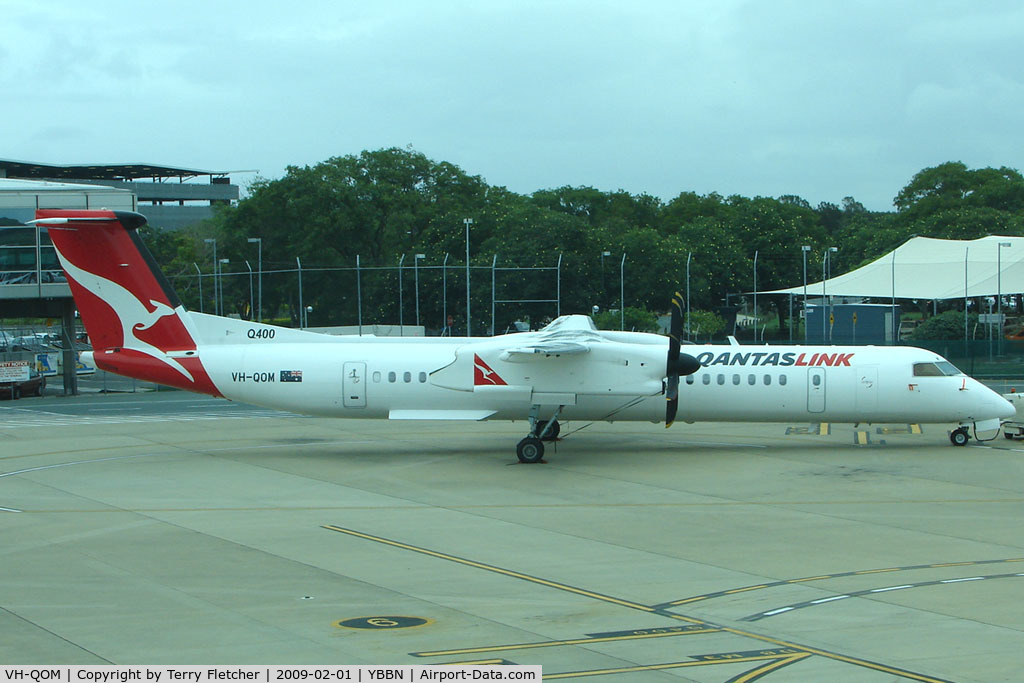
(721, 379)
(816, 380)
(689, 379)
(423, 378)
(706, 379)
(392, 377)
(751, 380)
(376, 375)
(782, 380)
(767, 380)
(407, 377)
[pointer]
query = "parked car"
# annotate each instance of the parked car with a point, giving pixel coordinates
(33, 386)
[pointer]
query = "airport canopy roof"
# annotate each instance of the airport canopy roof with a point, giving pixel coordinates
(29, 169)
(928, 268)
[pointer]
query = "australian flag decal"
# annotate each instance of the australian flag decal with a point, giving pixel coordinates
(291, 375)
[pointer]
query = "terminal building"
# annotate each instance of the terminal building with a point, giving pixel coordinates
(32, 283)
(170, 198)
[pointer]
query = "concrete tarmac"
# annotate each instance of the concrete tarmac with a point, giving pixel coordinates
(172, 529)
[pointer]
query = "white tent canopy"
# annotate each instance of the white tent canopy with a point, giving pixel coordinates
(928, 268)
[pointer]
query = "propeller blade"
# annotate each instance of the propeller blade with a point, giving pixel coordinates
(675, 363)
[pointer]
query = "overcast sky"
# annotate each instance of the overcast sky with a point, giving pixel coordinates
(814, 98)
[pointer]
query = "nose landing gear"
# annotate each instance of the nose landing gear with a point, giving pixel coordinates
(959, 436)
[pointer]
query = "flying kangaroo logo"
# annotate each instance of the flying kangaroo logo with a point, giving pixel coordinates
(130, 311)
(483, 375)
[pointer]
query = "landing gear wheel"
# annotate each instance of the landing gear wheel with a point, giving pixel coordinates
(552, 434)
(959, 437)
(530, 450)
(1008, 435)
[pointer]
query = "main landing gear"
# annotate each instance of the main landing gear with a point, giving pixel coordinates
(531, 448)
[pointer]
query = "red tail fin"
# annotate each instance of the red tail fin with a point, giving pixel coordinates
(136, 322)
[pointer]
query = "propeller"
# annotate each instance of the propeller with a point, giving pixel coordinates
(678, 364)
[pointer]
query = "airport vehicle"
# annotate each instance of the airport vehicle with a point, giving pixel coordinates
(15, 389)
(567, 371)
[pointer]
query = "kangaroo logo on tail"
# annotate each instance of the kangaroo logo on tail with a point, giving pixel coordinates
(137, 324)
(131, 312)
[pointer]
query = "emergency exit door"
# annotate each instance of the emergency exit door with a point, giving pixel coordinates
(353, 385)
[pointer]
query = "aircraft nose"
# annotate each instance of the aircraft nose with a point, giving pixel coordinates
(1002, 408)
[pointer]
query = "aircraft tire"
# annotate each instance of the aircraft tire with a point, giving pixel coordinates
(530, 450)
(551, 435)
(959, 437)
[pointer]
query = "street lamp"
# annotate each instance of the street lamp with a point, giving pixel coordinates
(416, 270)
(689, 255)
(806, 248)
(220, 277)
(755, 293)
(604, 288)
(825, 271)
(468, 222)
(401, 314)
(622, 293)
(999, 290)
(199, 276)
(251, 310)
(258, 241)
(445, 327)
(214, 243)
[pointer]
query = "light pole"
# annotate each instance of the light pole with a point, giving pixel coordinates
(220, 278)
(302, 313)
(445, 327)
(689, 255)
(258, 241)
(401, 314)
(416, 271)
(251, 308)
(825, 270)
(806, 248)
(755, 293)
(199, 273)
(999, 291)
(622, 293)
(604, 287)
(212, 241)
(468, 222)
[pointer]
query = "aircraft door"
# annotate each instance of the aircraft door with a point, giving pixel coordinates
(815, 390)
(353, 385)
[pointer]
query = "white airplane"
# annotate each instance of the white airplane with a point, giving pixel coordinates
(567, 371)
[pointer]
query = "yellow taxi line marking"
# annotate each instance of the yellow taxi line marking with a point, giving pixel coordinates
(491, 568)
(558, 643)
(671, 665)
(760, 671)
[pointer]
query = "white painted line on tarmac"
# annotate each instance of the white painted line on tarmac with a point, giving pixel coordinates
(972, 578)
(891, 588)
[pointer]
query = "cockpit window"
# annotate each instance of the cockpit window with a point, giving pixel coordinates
(939, 369)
